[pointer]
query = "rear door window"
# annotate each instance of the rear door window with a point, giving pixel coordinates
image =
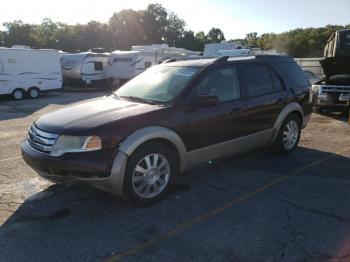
(2, 70)
(257, 79)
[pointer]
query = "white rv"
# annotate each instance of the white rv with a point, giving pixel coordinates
(211, 50)
(24, 70)
(124, 65)
(233, 52)
(86, 67)
(93, 69)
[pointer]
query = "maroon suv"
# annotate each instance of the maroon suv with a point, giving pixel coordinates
(168, 119)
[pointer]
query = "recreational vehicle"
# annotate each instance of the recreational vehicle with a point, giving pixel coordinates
(84, 68)
(211, 50)
(29, 71)
(124, 65)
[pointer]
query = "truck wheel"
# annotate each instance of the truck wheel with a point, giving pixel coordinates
(149, 174)
(18, 94)
(288, 136)
(34, 92)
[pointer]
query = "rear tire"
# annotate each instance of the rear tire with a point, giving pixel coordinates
(150, 172)
(288, 136)
(34, 92)
(18, 94)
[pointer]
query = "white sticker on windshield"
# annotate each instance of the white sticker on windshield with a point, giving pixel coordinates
(184, 72)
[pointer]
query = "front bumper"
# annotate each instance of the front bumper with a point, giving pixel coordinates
(102, 169)
(330, 100)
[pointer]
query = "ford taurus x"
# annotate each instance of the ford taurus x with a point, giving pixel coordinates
(168, 119)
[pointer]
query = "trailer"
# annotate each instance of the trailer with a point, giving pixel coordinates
(85, 68)
(29, 71)
(124, 65)
(211, 50)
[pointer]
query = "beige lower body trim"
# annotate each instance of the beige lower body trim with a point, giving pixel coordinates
(235, 146)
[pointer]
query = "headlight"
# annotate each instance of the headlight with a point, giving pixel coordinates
(72, 144)
(315, 88)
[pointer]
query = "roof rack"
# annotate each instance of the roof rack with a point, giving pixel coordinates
(169, 61)
(221, 59)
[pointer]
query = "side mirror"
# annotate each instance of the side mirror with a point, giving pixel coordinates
(206, 100)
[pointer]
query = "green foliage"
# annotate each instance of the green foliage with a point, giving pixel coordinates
(154, 25)
(215, 35)
(308, 42)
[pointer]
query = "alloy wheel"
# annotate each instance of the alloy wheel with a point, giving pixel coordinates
(151, 175)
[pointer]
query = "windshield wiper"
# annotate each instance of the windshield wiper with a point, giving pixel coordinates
(138, 99)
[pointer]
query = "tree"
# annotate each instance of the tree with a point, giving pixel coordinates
(155, 22)
(127, 28)
(191, 42)
(174, 29)
(215, 35)
(252, 38)
(18, 33)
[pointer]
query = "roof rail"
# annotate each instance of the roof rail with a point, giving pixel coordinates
(221, 59)
(277, 55)
(169, 61)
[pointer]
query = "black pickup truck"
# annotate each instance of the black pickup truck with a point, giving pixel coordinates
(334, 90)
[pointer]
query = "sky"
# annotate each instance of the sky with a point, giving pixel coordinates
(236, 17)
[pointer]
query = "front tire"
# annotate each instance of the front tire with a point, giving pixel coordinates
(150, 172)
(18, 94)
(288, 136)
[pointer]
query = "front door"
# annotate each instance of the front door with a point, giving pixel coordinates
(211, 125)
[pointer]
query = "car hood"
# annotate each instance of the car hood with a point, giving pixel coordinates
(83, 117)
(333, 66)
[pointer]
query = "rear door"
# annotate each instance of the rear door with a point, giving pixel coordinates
(265, 96)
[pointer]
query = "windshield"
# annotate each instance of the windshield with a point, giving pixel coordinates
(158, 84)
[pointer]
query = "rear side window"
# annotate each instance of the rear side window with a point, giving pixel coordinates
(2, 67)
(277, 83)
(293, 72)
(257, 79)
(98, 66)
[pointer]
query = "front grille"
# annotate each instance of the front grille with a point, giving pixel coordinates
(339, 90)
(41, 140)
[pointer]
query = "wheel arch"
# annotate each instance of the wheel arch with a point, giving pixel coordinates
(159, 134)
(291, 108)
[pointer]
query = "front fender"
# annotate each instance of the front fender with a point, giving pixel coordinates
(133, 141)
